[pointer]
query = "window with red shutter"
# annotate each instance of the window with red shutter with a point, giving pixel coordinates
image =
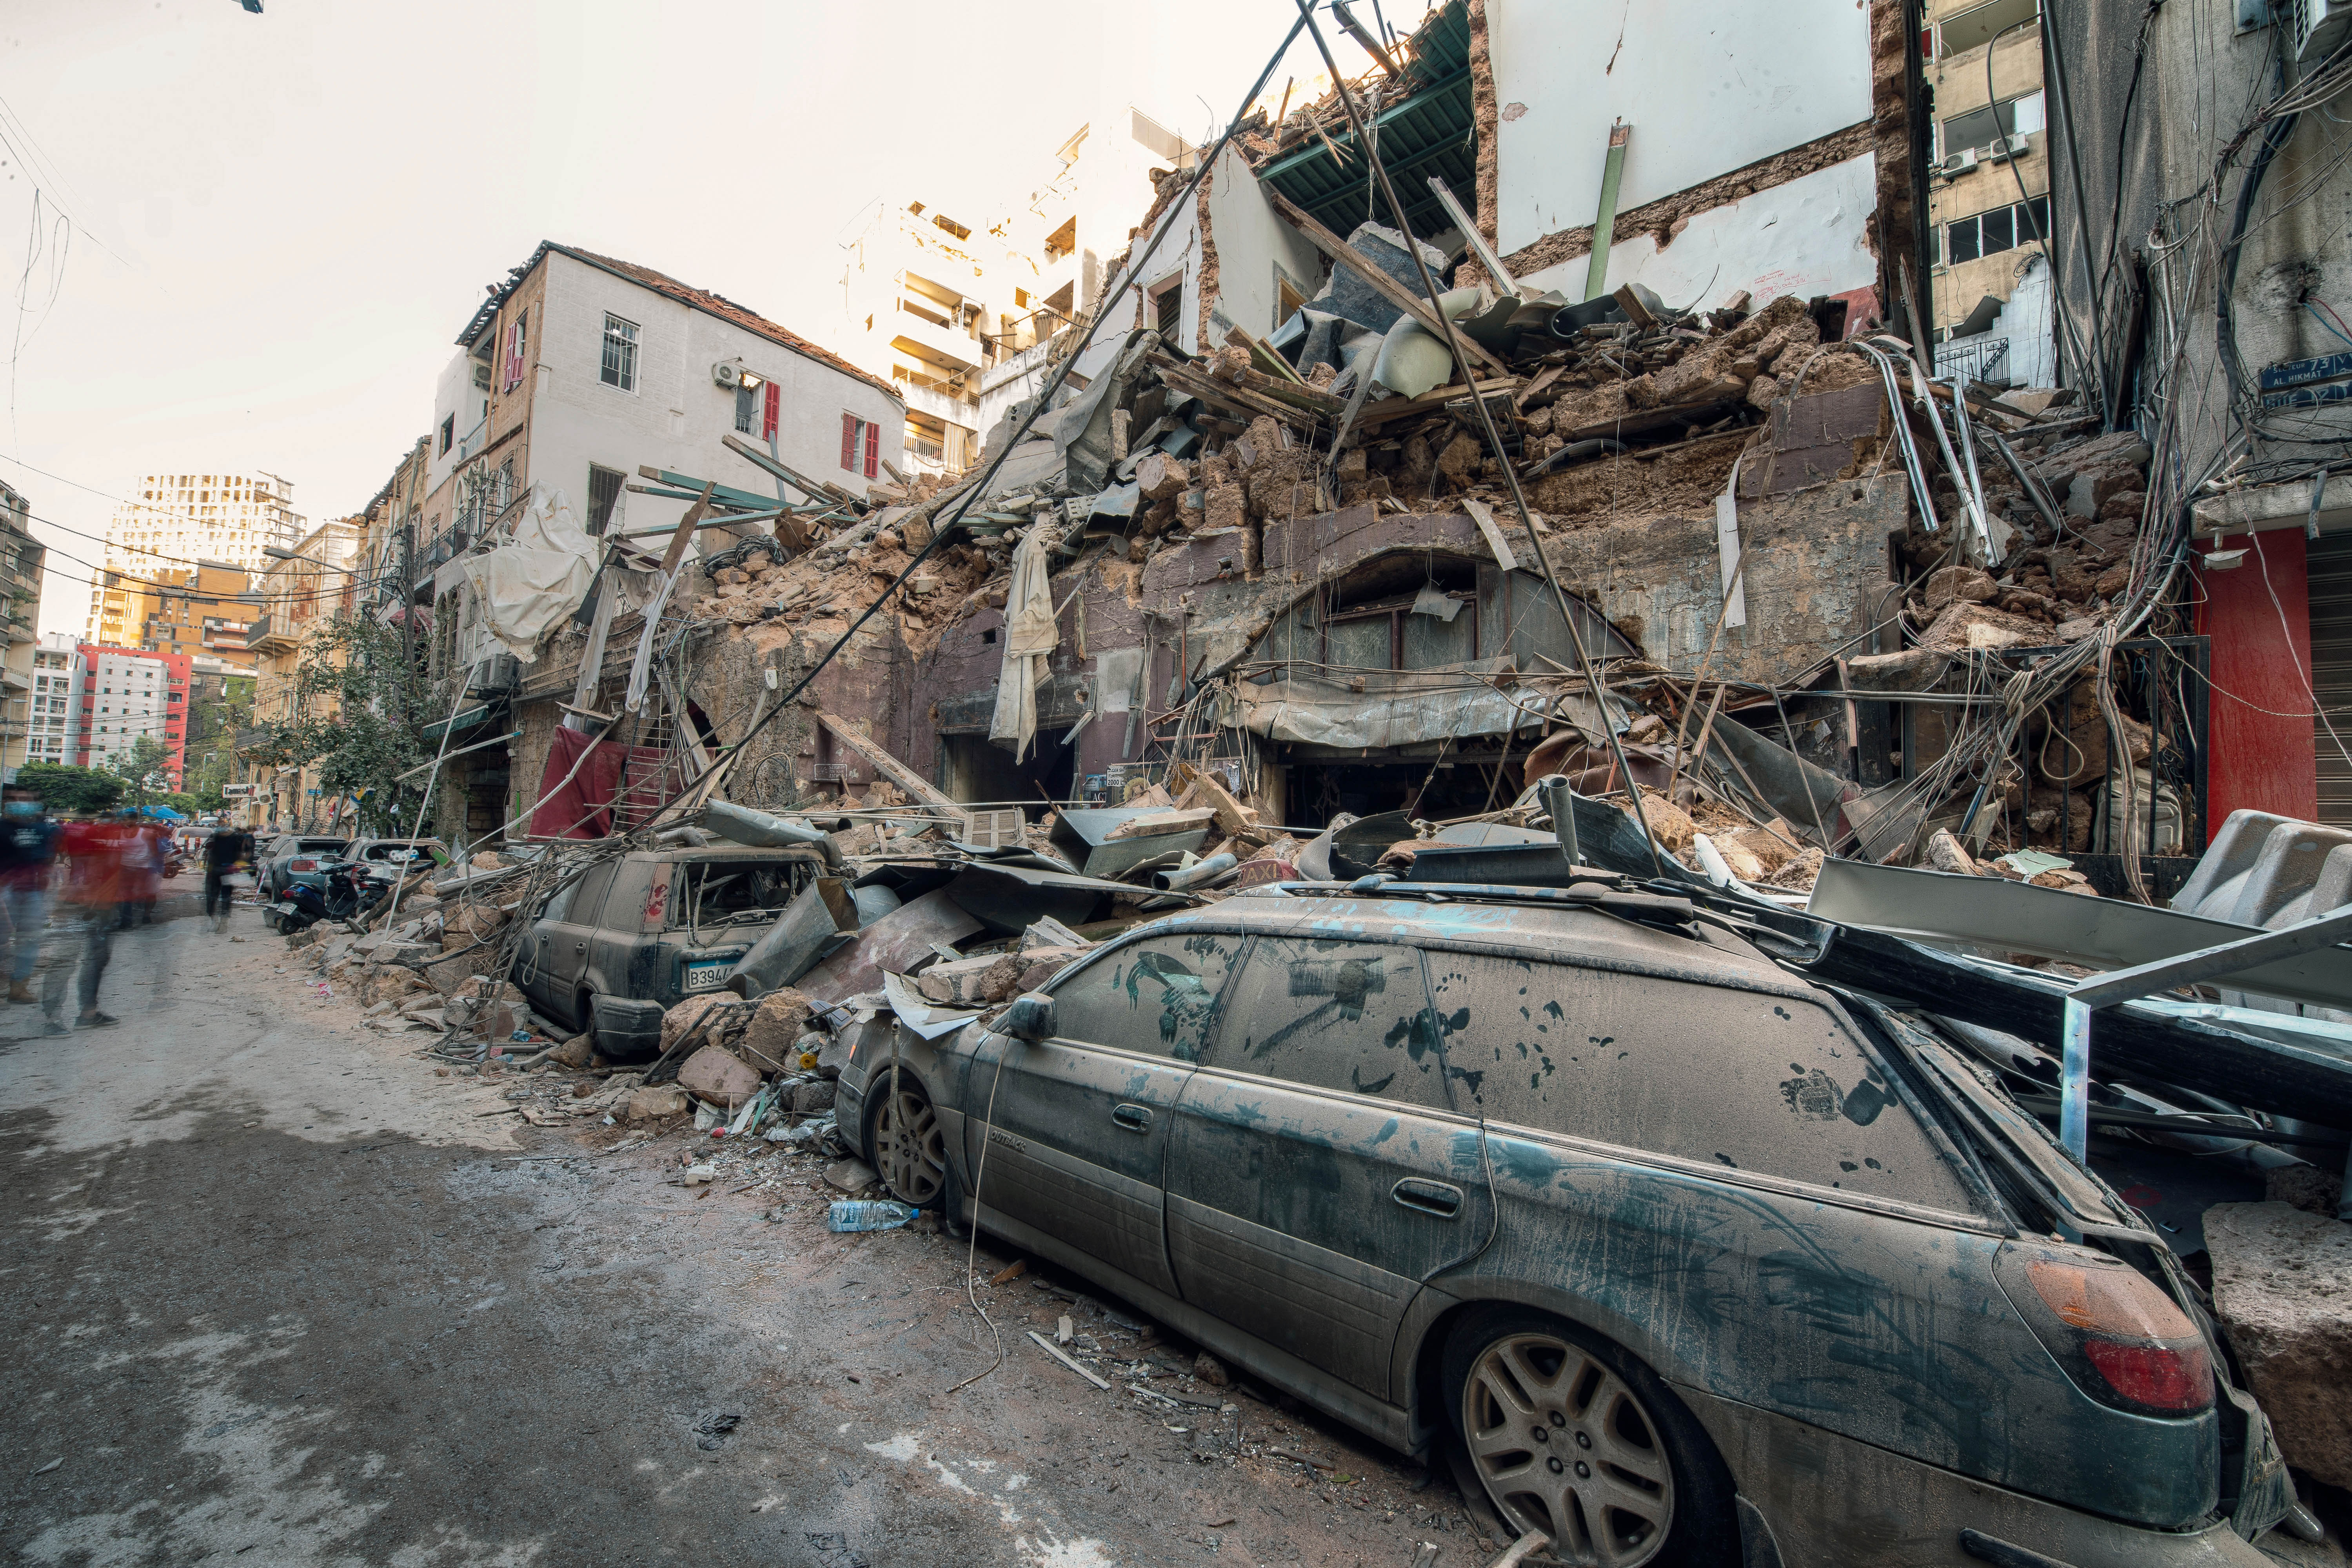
(514, 356)
(849, 441)
(873, 448)
(770, 416)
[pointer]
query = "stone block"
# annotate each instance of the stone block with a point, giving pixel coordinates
(719, 1076)
(2283, 1292)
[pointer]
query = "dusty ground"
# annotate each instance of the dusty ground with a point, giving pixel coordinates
(280, 1293)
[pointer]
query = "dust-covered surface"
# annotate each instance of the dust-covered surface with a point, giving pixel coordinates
(282, 1294)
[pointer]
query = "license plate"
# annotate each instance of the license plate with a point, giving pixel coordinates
(707, 976)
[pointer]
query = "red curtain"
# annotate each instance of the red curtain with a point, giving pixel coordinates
(645, 778)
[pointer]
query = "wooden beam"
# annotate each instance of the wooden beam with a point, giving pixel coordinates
(1378, 281)
(686, 526)
(776, 466)
(888, 766)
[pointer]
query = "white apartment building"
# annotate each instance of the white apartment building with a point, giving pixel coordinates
(127, 693)
(172, 518)
(583, 370)
(958, 309)
(53, 728)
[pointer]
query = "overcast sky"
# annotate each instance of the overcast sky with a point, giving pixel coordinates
(260, 235)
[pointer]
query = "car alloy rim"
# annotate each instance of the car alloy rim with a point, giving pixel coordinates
(912, 1153)
(1563, 1445)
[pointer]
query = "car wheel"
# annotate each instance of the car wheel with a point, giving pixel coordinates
(904, 1141)
(1572, 1436)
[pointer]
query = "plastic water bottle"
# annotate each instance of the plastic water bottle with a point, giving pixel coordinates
(867, 1214)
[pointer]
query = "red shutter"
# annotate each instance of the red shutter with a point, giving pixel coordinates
(769, 415)
(514, 356)
(849, 441)
(873, 448)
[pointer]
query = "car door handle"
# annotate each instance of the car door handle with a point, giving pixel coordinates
(1134, 1118)
(1429, 1197)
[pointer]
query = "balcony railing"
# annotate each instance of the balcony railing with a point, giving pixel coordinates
(1984, 359)
(475, 439)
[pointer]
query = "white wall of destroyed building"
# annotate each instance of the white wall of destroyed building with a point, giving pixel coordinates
(1707, 89)
(1808, 236)
(1256, 251)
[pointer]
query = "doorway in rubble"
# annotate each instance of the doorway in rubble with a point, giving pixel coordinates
(1435, 789)
(975, 769)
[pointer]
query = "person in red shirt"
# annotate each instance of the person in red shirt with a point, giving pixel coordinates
(93, 897)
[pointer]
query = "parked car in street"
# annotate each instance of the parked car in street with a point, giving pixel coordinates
(293, 855)
(639, 934)
(1682, 1257)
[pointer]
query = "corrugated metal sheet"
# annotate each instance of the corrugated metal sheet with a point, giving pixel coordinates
(2329, 562)
(1430, 131)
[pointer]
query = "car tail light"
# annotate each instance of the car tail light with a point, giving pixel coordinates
(2123, 1341)
(302, 866)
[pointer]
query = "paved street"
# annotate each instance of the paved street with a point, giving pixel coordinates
(281, 1292)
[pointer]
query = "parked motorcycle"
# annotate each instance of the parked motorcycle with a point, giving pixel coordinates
(350, 892)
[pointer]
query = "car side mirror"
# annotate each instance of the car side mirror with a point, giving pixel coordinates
(1029, 1018)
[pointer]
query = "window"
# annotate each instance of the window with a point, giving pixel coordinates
(1744, 1080)
(1158, 997)
(1983, 127)
(620, 365)
(1168, 307)
(1990, 233)
(449, 435)
(1349, 1016)
(604, 495)
(860, 437)
(747, 407)
(1980, 25)
(514, 349)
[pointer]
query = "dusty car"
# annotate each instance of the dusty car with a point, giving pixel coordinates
(636, 935)
(1683, 1258)
(292, 856)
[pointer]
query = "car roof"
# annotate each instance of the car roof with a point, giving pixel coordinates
(1550, 934)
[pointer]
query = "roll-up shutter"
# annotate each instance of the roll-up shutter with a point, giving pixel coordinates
(2329, 561)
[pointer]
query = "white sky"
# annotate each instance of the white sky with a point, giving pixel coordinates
(279, 223)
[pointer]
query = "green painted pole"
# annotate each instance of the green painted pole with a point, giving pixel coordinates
(1605, 226)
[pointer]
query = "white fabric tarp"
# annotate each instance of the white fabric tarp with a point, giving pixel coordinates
(1416, 710)
(1030, 638)
(535, 579)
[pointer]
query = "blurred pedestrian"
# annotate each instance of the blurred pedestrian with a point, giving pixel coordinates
(28, 854)
(228, 850)
(93, 900)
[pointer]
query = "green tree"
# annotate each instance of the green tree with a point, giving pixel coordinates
(142, 768)
(69, 789)
(362, 714)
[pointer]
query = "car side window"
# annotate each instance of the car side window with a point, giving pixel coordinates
(559, 905)
(588, 897)
(1739, 1079)
(1350, 1015)
(1160, 996)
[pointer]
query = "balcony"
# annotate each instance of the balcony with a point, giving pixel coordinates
(266, 632)
(475, 439)
(946, 406)
(934, 344)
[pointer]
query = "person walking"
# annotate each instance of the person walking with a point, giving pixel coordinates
(94, 894)
(28, 854)
(227, 849)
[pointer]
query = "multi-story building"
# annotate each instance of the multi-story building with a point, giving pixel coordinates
(22, 559)
(301, 592)
(959, 316)
(128, 693)
(196, 609)
(53, 722)
(177, 520)
(1989, 192)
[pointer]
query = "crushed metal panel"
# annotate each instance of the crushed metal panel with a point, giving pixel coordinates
(1944, 909)
(890, 944)
(1084, 838)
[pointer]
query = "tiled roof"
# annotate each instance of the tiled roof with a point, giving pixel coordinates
(685, 294)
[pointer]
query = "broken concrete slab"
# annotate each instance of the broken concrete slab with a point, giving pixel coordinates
(719, 1076)
(2283, 1292)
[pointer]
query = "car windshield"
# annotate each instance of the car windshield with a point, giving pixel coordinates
(727, 892)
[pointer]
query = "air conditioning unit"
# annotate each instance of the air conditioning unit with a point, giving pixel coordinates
(2006, 147)
(1961, 161)
(727, 373)
(499, 673)
(2315, 27)
(482, 376)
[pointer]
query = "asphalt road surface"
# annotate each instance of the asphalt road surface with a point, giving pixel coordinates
(281, 1294)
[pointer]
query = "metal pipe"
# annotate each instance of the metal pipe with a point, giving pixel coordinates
(1559, 800)
(1207, 873)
